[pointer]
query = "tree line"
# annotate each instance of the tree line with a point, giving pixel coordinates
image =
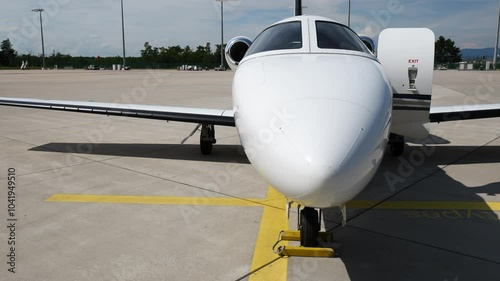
(151, 57)
(168, 57)
(202, 56)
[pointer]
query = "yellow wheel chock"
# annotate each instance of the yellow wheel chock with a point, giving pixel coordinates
(297, 251)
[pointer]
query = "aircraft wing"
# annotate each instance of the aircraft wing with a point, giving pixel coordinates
(463, 112)
(182, 114)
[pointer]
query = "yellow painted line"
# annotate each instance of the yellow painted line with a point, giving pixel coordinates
(273, 221)
(265, 262)
(258, 202)
(168, 200)
(426, 205)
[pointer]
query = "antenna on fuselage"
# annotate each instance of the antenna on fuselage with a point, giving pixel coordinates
(298, 7)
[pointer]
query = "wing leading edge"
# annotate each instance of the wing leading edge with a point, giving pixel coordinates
(463, 112)
(170, 113)
(219, 117)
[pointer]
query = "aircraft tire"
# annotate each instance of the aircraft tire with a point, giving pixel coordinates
(396, 144)
(206, 147)
(397, 148)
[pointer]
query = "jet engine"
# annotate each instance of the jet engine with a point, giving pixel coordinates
(369, 43)
(236, 49)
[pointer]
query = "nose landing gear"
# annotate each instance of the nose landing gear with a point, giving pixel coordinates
(309, 227)
(313, 243)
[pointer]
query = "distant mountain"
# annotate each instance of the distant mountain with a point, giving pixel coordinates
(468, 54)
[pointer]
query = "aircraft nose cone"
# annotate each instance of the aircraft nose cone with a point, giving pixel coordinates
(324, 130)
(330, 143)
(318, 132)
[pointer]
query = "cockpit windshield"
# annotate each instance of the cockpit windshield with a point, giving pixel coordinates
(336, 36)
(282, 36)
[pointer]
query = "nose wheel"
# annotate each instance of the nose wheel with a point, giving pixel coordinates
(309, 227)
(313, 243)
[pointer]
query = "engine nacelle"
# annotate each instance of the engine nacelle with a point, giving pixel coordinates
(369, 43)
(236, 50)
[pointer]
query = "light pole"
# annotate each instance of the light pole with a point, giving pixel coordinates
(349, 14)
(123, 36)
(496, 42)
(41, 31)
(222, 32)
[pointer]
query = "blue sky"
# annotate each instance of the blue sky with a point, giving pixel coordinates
(92, 27)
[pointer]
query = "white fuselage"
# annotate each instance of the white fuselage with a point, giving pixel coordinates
(313, 122)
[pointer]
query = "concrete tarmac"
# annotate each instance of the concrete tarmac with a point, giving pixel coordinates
(110, 198)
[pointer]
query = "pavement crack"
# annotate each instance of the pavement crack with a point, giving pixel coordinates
(439, 169)
(258, 269)
(91, 161)
(194, 186)
(424, 244)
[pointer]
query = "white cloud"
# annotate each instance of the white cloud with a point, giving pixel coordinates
(369, 31)
(8, 28)
(93, 27)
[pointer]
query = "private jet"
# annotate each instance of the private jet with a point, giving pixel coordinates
(314, 108)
